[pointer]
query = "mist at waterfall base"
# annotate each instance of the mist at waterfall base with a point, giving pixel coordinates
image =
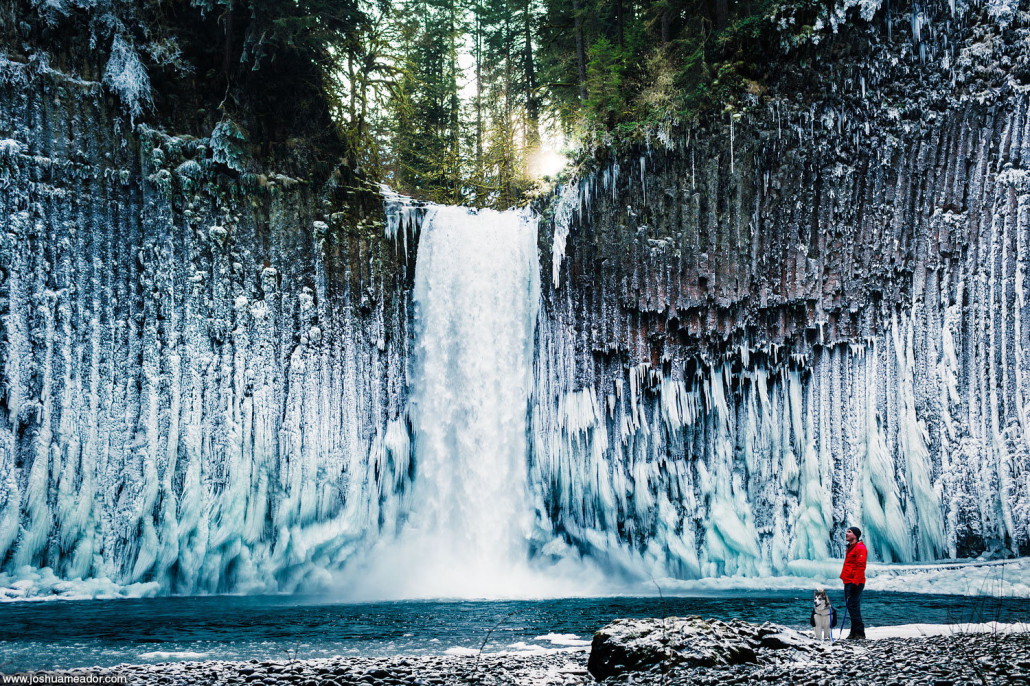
(464, 526)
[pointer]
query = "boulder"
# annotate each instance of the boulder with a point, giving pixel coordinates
(641, 644)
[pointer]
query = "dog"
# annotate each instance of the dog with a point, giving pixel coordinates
(824, 617)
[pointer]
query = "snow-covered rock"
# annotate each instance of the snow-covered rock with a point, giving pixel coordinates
(662, 644)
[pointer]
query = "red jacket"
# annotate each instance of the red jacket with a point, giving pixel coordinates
(854, 564)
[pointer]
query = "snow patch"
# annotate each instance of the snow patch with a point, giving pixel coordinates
(461, 651)
(563, 639)
(925, 630)
(172, 655)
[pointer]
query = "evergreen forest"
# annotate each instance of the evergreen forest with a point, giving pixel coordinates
(451, 101)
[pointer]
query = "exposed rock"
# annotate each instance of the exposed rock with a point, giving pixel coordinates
(642, 644)
(182, 351)
(961, 659)
(774, 322)
(752, 332)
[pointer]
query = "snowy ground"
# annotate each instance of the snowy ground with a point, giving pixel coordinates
(569, 643)
(992, 656)
(998, 578)
(927, 630)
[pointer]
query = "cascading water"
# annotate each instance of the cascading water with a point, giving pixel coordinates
(468, 516)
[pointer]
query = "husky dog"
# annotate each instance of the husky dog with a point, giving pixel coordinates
(824, 617)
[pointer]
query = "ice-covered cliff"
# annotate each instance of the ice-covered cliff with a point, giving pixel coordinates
(203, 343)
(809, 314)
(764, 327)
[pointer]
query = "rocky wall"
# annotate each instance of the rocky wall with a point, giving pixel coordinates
(802, 314)
(199, 364)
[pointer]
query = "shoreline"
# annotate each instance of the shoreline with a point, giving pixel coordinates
(943, 659)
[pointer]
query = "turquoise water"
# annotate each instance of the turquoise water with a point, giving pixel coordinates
(79, 633)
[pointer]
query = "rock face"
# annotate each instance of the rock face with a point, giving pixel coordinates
(202, 349)
(628, 645)
(770, 326)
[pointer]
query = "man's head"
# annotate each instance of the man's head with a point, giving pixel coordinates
(852, 534)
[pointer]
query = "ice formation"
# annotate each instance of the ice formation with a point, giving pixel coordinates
(127, 76)
(192, 401)
(687, 443)
(212, 390)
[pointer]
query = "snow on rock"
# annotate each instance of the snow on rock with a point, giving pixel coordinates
(194, 399)
(640, 644)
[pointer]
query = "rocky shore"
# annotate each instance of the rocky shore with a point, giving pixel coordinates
(667, 656)
(935, 661)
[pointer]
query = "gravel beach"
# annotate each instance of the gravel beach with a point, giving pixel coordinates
(936, 661)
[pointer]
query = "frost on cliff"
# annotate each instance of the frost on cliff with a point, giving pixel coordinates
(127, 77)
(201, 383)
(749, 339)
(227, 145)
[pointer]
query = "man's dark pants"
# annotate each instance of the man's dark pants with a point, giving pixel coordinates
(853, 599)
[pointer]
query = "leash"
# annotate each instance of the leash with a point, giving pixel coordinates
(841, 630)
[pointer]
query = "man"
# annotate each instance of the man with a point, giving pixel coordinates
(853, 576)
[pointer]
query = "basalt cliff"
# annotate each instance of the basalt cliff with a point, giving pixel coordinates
(755, 330)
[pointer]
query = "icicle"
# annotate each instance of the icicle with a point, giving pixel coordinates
(731, 143)
(564, 210)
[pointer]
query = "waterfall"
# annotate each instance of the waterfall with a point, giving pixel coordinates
(467, 518)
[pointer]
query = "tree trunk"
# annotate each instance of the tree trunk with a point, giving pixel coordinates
(620, 23)
(581, 57)
(479, 94)
(532, 104)
(722, 14)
